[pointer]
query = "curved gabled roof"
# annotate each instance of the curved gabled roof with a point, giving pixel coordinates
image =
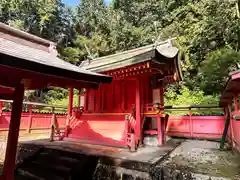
(136, 56)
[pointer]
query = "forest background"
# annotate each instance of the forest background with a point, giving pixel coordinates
(206, 31)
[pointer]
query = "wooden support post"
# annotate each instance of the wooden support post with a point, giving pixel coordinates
(138, 112)
(52, 133)
(86, 101)
(164, 131)
(225, 131)
(70, 107)
(161, 91)
(30, 119)
(70, 101)
(236, 105)
(159, 130)
(1, 107)
(232, 132)
(123, 107)
(113, 95)
(10, 156)
(79, 98)
(103, 99)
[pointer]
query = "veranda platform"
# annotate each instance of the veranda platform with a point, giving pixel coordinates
(141, 160)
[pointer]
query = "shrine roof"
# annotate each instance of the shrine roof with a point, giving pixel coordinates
(131, 57)
(22, 52)
(232, 86)
(42, 58)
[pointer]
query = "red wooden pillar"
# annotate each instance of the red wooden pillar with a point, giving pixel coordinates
(1, 106)
(159, 130)
(163, 122)
(138, 111)
(70, 101)
(86, 100)
(10, 156)
(161, 91)
(236, 105)
(231, 127)
(30, 119)
(123, 95)
(103, 98)
(79, 98)
(70, 106)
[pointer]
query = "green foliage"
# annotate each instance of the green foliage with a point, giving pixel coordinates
(202, 27)
(215, 70)
(189, 97)
(207, 32)
(49, 19)
(64, 101)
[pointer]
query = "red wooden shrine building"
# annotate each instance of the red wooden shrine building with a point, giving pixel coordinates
(230, 101)
(121, 113)
(29, 62)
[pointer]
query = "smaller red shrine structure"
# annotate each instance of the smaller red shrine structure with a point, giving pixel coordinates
(230, 101)
(123, 112)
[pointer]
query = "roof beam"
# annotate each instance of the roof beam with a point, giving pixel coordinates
(33, 80)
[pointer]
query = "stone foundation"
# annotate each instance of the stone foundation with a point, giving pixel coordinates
(192, 160)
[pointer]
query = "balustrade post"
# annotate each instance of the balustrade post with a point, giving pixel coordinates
(30, 119)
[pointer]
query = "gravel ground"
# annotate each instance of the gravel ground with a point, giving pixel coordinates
(204, 157)
(27, 137)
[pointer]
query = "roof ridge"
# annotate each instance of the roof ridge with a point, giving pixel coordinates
(25, 35)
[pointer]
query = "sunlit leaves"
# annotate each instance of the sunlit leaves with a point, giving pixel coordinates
(216, 68)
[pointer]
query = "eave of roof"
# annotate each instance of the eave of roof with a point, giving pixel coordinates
(43, 62)
(36, 66)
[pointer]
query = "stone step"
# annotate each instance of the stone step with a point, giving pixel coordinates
(24, 175)
(57, 160)
(61, 153)
(40, 172)
(52, 164)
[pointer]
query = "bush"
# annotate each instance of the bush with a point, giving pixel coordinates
(188, 97)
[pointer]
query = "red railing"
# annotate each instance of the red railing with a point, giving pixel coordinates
(37, 118)
(193, 125)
